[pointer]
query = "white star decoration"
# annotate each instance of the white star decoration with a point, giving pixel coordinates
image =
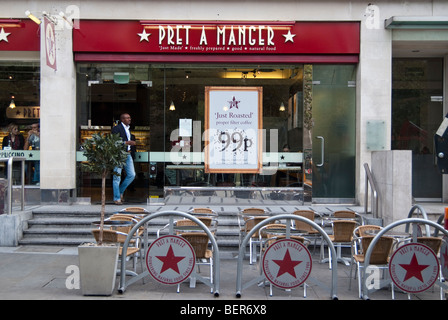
(289, 36)
(144, 36)
(3, 35)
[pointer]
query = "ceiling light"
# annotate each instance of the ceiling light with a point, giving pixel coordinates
(172, 107)
(282, 107)
(33, 17)
(12, 105)
(62, 15)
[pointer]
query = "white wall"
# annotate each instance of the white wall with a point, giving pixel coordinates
(373, 76)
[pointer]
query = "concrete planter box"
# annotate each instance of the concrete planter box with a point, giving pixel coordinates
(98, 269)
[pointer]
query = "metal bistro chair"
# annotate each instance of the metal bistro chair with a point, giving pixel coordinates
(309, 231)
(362, 231)
(127, 229)
(358, 233)
(254, 240)
(118, 237)
(342, 237)
(380, 258)
(138, 213)
(435, 243)
(247, 219)
(204, 256)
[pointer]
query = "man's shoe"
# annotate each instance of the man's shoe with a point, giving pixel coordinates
(118, 202)
(122, 197)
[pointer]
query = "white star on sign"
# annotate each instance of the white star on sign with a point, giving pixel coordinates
(3, 35)
(144, 35)
(289, 36)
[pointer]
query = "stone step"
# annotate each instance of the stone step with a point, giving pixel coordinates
(72, 228)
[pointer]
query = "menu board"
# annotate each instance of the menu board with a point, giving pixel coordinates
(233, 129)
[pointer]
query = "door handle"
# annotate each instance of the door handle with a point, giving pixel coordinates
(322, 151)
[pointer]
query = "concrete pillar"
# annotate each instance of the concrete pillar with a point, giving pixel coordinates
(11, 228)
(58, 119)
(392, 171)
(373, 92)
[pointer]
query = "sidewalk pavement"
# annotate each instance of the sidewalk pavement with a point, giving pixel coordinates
(45, 272)
(42, 273)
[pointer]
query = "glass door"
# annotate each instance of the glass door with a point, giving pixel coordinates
(417, 112)
(332, 137)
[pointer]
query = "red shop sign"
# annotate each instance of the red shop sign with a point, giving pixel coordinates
(206, 37)
(19, 35)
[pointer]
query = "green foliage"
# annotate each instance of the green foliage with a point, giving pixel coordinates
(104, 153)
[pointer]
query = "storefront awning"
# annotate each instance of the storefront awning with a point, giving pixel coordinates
(417, 22)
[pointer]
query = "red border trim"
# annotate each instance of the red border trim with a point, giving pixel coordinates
(189, 58)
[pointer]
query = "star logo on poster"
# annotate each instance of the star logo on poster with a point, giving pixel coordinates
(4, 35)
(144, 36)
(233, 103)
(170, 261)
(287, 265)
(289, 36)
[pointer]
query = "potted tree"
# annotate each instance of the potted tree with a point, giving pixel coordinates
(98, 261)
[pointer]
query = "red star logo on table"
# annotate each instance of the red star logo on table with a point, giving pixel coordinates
(414, 269)
(287, 265)
(170, 261)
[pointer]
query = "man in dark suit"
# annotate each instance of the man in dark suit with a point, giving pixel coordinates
(123, 129)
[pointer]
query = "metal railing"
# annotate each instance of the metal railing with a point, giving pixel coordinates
(10, 162)
(196, 190)
(370, 181)
(213, 282)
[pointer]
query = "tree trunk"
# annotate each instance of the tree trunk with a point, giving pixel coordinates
(103, 207)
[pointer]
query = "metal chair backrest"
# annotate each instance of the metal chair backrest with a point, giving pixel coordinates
(199, 242)
(362, 231)
(303, 226)
(187, 222)
(343, 230)
(134, 209)
(123, 217)
(382, 250)
(251, 223)
(253, 211)
(109, 236)
(203, 210)
(433, 242)
(344, 214)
